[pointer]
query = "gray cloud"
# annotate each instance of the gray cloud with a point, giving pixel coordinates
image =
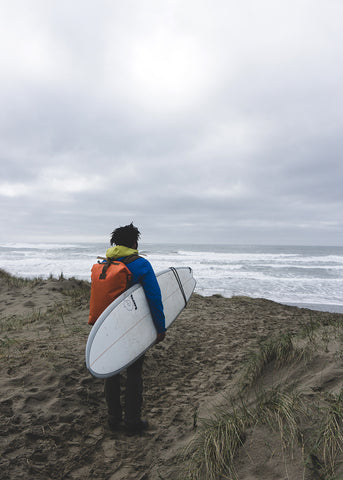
(199, 123)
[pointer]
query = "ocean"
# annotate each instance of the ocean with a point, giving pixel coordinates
(306, 276)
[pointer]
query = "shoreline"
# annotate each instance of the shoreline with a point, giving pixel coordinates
(317, 307)
(298, 275)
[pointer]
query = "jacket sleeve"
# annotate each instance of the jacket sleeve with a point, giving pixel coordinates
(143, 273)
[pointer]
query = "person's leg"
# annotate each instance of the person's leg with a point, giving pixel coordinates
(134, 395)
(112, 396)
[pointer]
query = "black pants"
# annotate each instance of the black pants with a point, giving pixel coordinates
(133, 394)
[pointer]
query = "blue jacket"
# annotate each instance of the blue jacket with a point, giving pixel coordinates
(142, 272)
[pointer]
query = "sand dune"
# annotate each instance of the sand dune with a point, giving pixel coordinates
(53, 414)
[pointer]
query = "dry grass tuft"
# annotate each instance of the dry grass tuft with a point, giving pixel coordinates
(314, 428)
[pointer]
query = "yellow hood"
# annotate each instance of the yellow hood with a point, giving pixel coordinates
(120, 251)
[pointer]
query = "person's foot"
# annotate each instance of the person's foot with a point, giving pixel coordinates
(137, 427)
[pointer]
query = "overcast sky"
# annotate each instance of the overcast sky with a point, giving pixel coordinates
(200, 121)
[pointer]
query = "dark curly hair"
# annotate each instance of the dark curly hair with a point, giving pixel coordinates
(126, 236)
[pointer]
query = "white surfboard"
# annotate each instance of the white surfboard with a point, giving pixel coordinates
(125, 330)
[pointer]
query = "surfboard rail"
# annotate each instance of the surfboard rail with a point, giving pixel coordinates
(125, 330)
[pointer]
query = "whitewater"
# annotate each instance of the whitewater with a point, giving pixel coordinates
(306, 276)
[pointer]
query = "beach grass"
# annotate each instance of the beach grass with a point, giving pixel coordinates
(47, 323)
(273, 373)
(211, 455)
(213, 450)
(279, 350)
(312, 425)
(13, 281)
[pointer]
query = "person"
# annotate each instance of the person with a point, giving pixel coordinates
(124, 241)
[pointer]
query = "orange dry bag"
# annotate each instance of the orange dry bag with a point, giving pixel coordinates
(109, 280)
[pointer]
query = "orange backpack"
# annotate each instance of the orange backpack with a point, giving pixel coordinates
(109, 280)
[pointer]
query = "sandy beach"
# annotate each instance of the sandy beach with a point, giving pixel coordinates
(53, 413)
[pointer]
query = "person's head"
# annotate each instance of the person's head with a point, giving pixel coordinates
(127, 236)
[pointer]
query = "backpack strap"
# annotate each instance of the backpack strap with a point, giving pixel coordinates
(109, 261)
(105, 268)
(130, 258)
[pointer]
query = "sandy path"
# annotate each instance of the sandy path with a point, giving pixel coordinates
(53, 413)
